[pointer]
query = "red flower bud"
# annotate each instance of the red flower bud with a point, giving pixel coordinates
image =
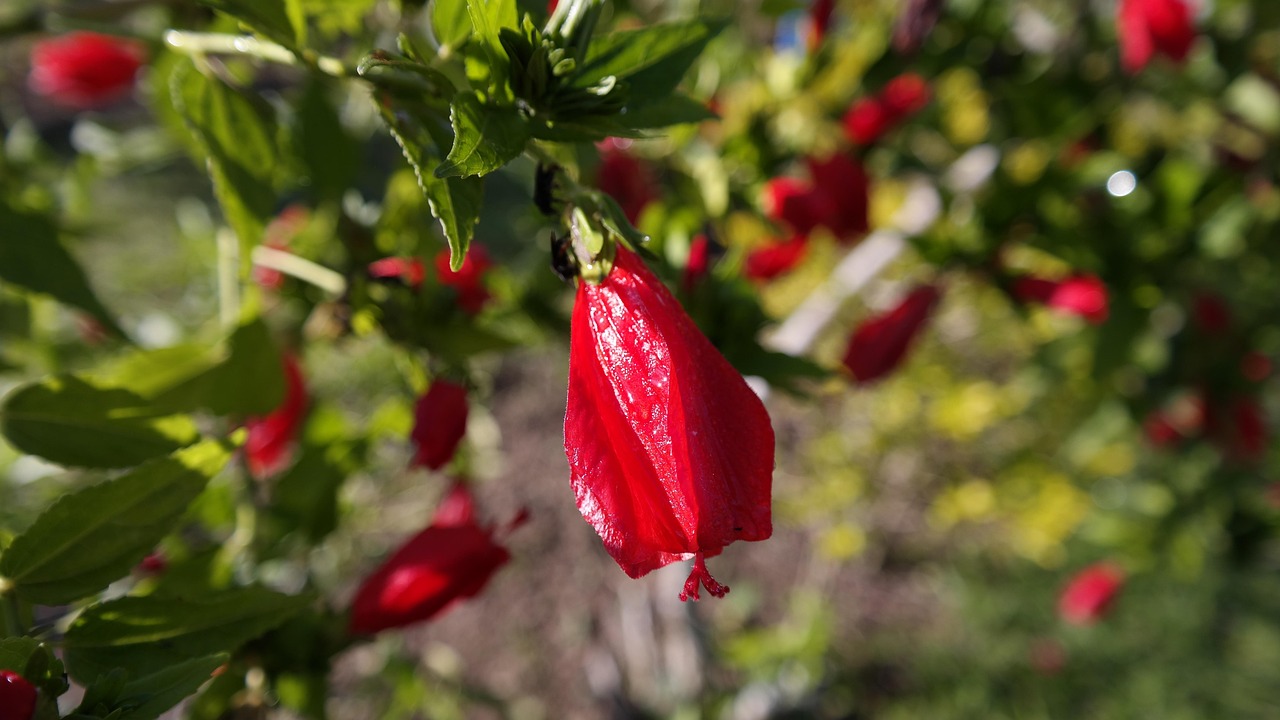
(439, 422)
(153, 564)
(865, 121)
(450, 560)
(17, 697)
(468, 281)
(880, 343)
(670, 452)
(1146, 27)
(269, 445)
(1089, 595)
(844, 182)
(84, 70)
(406, 270)
(1082, 295)
(625, 178)
(698, 264)
(778, 257)
(905, 95)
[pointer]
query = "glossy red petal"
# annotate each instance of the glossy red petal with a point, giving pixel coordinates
(670, 452)
(17, 697)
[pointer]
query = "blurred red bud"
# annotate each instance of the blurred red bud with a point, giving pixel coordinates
(17, 697)
(773, 259)
(84, 70)
(1082, 295)
(269, 445)
(468, 281)
(1090, 594)
(439, 423)
(406, 270)
(1147, 27)
(880, 343)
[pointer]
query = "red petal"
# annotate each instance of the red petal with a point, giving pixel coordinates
(17, 696)
(1090, 593)
(270, 440)
(440, 421)
(671, 454)
(84, 70)
(879, 344)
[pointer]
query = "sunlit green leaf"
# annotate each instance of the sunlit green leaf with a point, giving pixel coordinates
(485, 137)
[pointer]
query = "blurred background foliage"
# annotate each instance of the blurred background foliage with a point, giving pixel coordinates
(927, 523)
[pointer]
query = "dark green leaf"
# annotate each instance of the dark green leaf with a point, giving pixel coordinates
(306, 497)
(331, 157)
(450, 22)
(32, 257)
(92, 537)
(669, 47)
(238, 137)
(271, 18)
(71, 422)
(147, 634)
(675, 109)
(488, 17)
(16, 651)
(485, 137)
(148, 697)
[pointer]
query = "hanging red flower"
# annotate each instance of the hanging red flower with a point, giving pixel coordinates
(1082, 295)
(17, 697)
(1147, 27)
(269, 445)
(439, 422)
(468, 281)
(880, 343)
(84, 70)
(1090, 594)
(451, 560)
(670, 452)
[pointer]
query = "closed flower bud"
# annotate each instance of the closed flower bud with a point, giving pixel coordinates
(1147, 27)
(439, 422)
(269, 445)
(866, 121)
(84, 70)
(1090, 594)
(880, 343)
(1082, 295)
(670, 452)
(698, 264)
(452, 559)
(17, 697)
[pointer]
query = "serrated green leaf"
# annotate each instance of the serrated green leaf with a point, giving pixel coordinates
(145, 635)
(148, 697)
(651, 60)
(271, 18)
(32, 257)
(454, 201)
(71, 422)
(488, 17)
(92, 537)
(238, 137)
(485, 137)
(450, 22)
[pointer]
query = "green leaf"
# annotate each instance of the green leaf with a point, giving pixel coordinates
(450, 22)
(238, 136)
(305, 498)
(664, 51)
(71, 422)
(32, 257)
(148, 697)
(335, 18)
(297, 16)
(34, 661)
(145, 635)
(454, 201)
(329, 154)
(675, 109)
(16, 651)
(488, 17)
(92, 537)
(271, 18)
(485, 137)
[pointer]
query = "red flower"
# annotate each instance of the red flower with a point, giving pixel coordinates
(1090, 593)
(1082, 295)
(819, 21)
(671, 454)
(439, 422)
(796, 204)
(407, 270)
(866, 121)
(1147, 27)
(905, 95)
(625, 178)
(84, 70)
(269, 446)
(452, 559)
(153, 564)
(844, 182)
(17, 697)
(778, 257)
(468, 281)
(880, 343)
(698, 264)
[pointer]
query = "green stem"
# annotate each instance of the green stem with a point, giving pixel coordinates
(201, 43)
